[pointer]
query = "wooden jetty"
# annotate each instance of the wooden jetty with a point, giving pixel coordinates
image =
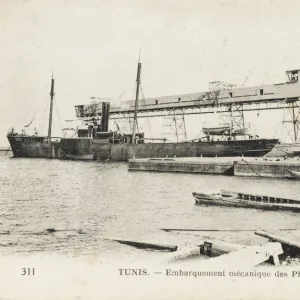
(245, 258)
(223, 254)
(184, 253)
(227, 255)
(147, 245)
(214, 248)
(231, 255)
(210, 248)
(286, 239)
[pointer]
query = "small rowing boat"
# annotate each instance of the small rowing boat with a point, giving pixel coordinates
(236, 199)
(295, 174)
(80, 157)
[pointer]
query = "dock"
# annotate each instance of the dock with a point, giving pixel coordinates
(233, 166)
(280, 248)
(182, 165)
(5, 151)
(277, 169)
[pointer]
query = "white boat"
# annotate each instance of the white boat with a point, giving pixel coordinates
(80, 157)
(285, 150)
(216, 130)
(224, 130)
(295, 174)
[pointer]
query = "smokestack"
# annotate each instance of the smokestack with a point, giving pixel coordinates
(105, 116)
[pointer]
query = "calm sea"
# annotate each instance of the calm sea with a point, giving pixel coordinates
(89, 203)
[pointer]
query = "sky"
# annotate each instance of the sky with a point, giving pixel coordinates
(92, 49)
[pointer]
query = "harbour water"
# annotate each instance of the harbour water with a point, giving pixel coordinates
(90, 202)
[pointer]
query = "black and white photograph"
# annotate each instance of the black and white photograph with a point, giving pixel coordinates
(149, 150)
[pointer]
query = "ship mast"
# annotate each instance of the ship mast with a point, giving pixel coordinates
(293, 107)
(295, 125)
(136, 101)
(51, 108)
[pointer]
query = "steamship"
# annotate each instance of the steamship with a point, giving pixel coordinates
(35, 146)
(96, 142)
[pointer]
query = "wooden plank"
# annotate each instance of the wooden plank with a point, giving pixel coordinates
(216, 248)
(204, 229)
(220, 230)
(146, 245)
(243, 258)
(286, 239)
(184, 253)
(276, 260)
(210, 248)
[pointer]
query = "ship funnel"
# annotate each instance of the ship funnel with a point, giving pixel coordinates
(105, 116)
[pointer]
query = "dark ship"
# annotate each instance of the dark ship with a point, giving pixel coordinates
(96, 142)
(35, 146)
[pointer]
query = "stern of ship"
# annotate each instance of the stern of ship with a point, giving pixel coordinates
(15, 142)
(31, 146)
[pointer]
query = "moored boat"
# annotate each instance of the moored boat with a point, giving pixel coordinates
(35, 146)
(285, 150)
(295, 174)
(224, 131)
(236, 199)
(80, 157)
(217, 130)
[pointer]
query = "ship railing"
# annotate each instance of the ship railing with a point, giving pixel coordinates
(153, 139)
(11, 131)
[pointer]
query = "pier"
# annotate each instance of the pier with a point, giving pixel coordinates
(220, 95)
(209, 254)
(276, 169)
(236, 166)
(182, 165)
(5, 151)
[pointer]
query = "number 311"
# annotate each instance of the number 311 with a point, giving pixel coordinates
(27, 271)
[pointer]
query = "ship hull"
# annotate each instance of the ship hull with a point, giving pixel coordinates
(93, 149)
(123, 152)
(32, 147)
